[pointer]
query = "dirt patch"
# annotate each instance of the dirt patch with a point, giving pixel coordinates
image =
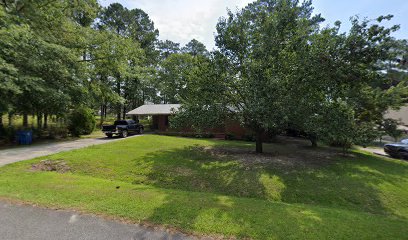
(277, 159)
(289, 153)
(183, 171)
(59, 166)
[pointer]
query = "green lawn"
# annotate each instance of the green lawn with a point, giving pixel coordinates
(215, 187)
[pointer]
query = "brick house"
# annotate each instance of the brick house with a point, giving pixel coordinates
(161, 113)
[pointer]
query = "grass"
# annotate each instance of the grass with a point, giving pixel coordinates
(292, 192)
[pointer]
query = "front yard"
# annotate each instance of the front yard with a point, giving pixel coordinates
(223, 189)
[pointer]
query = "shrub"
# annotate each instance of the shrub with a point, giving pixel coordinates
(188, 134)
(390, 127)
(230, 136)
(339, 143)
(57, 132)
(38, 133)
(8, 134)
(81, 121)
(366, 134)
(249, 137)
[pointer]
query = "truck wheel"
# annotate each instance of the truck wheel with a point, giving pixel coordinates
(109, 135)
(124, 134)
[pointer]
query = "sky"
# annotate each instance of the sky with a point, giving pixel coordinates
(183, 20)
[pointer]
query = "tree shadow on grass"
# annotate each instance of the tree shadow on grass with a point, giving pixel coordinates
(248, 218)
(225, 216)
(191, 169)
(384, 178)
(349, 183)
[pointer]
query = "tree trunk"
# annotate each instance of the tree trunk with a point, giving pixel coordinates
(45, 121)
(1, 125)
(10, 119)
(118, 114)
(102, 115)
(259, 136)
(32, 120)
(25, 120)
(39, 120)
(313, 140)
(124, 111)
(118, 91)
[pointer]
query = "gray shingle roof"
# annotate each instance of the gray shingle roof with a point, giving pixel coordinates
(155, 109)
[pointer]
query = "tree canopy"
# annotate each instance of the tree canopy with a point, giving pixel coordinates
(275, 68)
(279, 69)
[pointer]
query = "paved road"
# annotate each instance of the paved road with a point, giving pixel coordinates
(24, 153)
(30, 223)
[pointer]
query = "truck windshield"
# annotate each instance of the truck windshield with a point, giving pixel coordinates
(121, 123)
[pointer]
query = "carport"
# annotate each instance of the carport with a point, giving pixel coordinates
(159, 112)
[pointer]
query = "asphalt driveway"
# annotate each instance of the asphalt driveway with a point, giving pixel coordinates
(31, 223)
(22, 153)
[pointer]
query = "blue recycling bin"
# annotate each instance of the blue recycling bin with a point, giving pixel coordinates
(25, 137)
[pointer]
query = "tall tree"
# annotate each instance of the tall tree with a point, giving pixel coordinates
(173, 77)
(145, 33)
(45, 55)
(194, 47)
(256, 48)
(8, 75)
(175, 70)
(136, 27)
(276, 68)
(343, 78)
(134, 24)
(166, 48)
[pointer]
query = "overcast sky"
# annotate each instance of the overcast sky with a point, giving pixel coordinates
(182, 20)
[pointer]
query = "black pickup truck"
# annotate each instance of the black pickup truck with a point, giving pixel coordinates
(123, 128)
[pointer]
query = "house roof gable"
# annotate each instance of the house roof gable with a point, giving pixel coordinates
(155, 109)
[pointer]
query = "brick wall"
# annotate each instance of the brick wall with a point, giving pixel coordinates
(161, 122)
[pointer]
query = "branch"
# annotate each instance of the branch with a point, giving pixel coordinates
(4, 2)
(47, 3)
(91, 60)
